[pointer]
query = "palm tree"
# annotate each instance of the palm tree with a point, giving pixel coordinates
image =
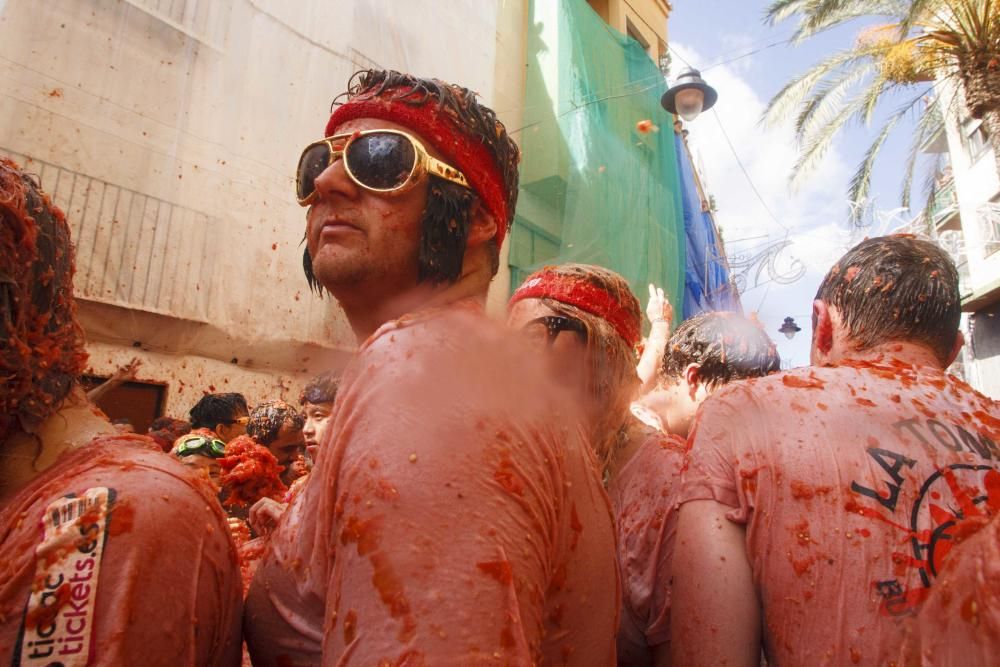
(916, 45)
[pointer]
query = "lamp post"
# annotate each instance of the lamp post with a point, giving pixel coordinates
(790, 328)
(689, 95)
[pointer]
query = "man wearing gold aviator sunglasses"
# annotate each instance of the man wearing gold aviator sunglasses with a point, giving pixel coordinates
(453, 515)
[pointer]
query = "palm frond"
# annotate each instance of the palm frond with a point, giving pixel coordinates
(931, 123)
(818, 16)
(860, 184)
(828, 97)
(795, 91)
(817, 143)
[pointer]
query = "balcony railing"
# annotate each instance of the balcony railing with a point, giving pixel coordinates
(132, 249)
(989, 227)
(944, 209)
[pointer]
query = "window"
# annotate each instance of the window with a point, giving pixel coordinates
(138, 402)
(989, 221)
(634, 33)
(977, 139)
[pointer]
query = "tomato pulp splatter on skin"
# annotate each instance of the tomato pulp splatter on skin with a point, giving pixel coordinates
(250, 472)
(802, 383)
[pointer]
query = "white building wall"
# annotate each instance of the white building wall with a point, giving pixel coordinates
(169, 130)
(976, 185)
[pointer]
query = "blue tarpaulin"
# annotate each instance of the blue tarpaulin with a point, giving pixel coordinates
(706, 274)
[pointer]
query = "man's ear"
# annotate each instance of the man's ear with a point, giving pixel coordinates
(955, 349)
(822, 339)
(692, 377)
(482, 226)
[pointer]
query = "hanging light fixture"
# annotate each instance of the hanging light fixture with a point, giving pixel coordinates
(790, 328)
(689, 96)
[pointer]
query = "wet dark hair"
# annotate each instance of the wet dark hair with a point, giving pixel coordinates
(726, 346)
(321, 389)
(267, 419)
(42, 354)
(165, 423)
(215, 409)
(446, 220)
(896, 288)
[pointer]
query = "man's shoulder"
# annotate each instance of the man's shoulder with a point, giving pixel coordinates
(449, 348)
(660, 458)
(454, 328)
(133, 466)
(807, 380)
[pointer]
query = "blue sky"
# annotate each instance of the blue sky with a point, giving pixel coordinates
(705, 32)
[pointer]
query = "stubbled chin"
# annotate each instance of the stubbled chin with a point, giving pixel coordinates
(312, 450)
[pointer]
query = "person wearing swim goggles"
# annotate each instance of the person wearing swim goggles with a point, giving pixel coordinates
(201, 452)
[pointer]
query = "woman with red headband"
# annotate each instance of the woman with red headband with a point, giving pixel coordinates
(589, 322)
(111, 552)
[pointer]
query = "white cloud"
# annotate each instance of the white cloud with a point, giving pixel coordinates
(814, 213)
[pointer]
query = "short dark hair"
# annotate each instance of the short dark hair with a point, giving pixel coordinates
(215, 409)
(321, 389)
(445, 225)
(896, 288)
(726, 346)
(267, 419)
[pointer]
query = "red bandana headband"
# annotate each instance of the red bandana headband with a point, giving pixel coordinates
(460, 149)
(583, 295)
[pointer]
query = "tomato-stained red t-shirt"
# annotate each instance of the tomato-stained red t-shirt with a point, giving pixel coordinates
(118, 555)
(852, 482)
(959, 624)
(454, 516)
(644, 496)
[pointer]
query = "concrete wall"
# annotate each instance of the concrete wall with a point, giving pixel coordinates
(169, 131)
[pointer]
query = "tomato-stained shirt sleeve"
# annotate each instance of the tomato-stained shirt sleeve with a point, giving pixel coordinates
(710, 473)
(152, 578)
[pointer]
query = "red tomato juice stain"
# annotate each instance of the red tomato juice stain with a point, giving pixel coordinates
(498, 569)
(122, 519)
(802, 383)
(43, 617)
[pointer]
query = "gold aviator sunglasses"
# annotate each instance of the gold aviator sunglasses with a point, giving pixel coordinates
(383, 161)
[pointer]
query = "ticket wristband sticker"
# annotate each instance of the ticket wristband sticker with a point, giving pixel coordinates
(58, 620)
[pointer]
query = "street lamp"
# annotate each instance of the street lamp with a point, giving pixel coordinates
(689, 96)
(790, 328)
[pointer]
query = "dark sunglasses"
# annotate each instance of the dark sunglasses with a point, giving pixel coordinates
(202, 445)
(377, 160)
(552, 325)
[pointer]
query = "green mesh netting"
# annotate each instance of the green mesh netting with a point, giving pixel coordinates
(595, 188)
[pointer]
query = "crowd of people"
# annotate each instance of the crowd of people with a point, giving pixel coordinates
(469, 492)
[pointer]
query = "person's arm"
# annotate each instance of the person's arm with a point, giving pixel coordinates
(120, 377)
(715, 613)
(660, 313)
(264, 515)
